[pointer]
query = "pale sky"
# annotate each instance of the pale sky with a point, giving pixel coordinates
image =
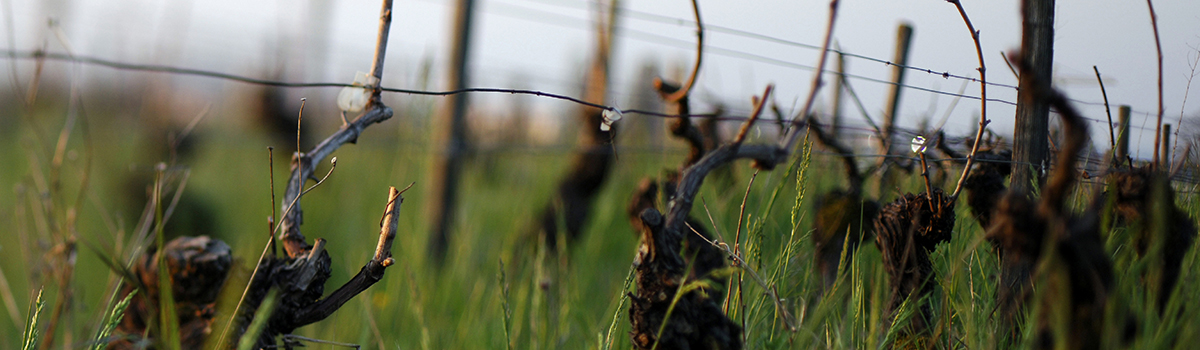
(548, 40)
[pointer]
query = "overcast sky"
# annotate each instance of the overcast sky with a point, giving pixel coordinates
(546, 42)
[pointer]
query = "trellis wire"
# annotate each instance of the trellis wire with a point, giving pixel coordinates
(13, 54)
(541, 18)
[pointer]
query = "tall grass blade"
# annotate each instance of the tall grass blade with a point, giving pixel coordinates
(259, 322)
(612, 327)
(168, 321)
(505, 308)
(114, 318)
(10, 303)
(30, 338)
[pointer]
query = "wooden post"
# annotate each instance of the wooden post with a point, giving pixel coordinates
(903, 39)
(1030, 143)
(835, 124)
(452, 133)
(1122, 151)
(1166, 146)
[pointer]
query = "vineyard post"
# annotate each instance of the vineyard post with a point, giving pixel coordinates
(1123, 134)
(1030, 142)
(903, 39)
(899, 61)
(452, 135)
(1166, 146)
(835, 124)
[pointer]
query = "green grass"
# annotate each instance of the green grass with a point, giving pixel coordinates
(111, 321)
(536, 300)
(30, 336)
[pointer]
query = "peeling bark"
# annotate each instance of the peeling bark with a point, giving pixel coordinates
(695, 321)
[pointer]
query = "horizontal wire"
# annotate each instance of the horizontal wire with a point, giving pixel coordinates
(12, 54)
(646, 37)
(541, 16)
(652, 17)
(38, 54)
(226, 76)
(787, 64)
(197, 72)
(747, 34)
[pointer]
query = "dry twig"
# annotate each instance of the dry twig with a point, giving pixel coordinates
(1158, 46)
(790, 141)
(306, 267)
(983, 121)
(679, 96)
(1112, 138)
(686, 88)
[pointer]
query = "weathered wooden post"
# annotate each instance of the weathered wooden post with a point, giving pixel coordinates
(1166, 146)
(903, 39)
(452, 135)
(1122, 151)
(1030, 143)
(835, 123)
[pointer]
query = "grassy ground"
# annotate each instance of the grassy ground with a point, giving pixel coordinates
(534, 300)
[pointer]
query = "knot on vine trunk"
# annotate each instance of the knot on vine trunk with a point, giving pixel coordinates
(301, 283)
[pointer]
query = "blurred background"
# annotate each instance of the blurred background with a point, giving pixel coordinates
(544, 45)
(79, 142)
